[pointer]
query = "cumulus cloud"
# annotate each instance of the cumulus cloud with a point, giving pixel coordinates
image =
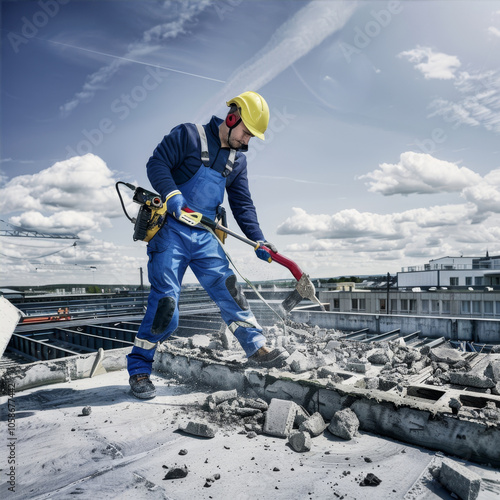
(348, 223)
(69, 221)
(71, 196)
(486, 195)
(419, 173)
(76, 182)
(152, 40)
(436, 216)
(433, 65)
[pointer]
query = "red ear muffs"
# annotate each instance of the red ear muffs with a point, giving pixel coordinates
(231, 120)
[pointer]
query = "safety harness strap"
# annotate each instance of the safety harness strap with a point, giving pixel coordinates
(204, 145)
(205, 158)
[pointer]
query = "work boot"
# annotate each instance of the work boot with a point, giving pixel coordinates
(141, 386)
(268, 359)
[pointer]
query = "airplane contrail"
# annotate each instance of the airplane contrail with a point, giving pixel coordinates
(132, 60)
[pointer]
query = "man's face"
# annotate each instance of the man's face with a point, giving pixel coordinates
(240, 136)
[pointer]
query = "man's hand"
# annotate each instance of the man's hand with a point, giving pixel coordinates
(175, 203)
(261, 253)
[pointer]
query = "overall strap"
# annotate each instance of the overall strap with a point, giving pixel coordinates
(205, 159)
(204, 145)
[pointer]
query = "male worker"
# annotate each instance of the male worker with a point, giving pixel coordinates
(192, 167)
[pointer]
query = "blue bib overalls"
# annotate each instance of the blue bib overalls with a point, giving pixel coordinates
(177, 246)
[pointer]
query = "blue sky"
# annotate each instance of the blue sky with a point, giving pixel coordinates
(382, 151)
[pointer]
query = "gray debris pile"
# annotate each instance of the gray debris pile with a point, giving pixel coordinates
(322, 354)
(281, 418)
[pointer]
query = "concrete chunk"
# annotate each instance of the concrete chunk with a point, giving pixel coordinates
(493, 370)
(300, 416)
(298, 362)
(314, 425)
(227, 337)
(344, 424)
(471, 379)
(300, 441)
(221, 396)
(445, 355)
(201, 429)
(280, 417)
(358, 366)
(380, 356)
(459, 480)
(197, 341)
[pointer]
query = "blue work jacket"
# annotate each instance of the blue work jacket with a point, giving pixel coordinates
(178, 157)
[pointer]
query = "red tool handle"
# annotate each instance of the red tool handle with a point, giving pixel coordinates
(284, 261)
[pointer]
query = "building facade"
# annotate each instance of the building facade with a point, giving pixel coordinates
(466, 273)
(445, 303)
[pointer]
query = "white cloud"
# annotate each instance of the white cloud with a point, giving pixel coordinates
(152, 40)
(433, 65)
(349, 223)
(436, 216)
(82, 183)
(479, 104)
(305, 30)
(68, 221)
(78, 194)
(419, 173)
(363, 238)
(485, 195)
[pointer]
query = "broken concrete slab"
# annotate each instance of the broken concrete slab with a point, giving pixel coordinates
(383, 411)
(280, 417)
(219, 397)
(459, 480)
(344, 424)
(471, 379)
(445, 354)
(41, 373)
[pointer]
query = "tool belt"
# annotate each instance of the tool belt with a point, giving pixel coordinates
(221, 218)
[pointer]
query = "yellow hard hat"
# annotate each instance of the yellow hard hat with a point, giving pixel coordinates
(254, 112)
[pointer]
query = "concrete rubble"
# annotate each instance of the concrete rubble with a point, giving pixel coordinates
(386, 385)
(329, 390)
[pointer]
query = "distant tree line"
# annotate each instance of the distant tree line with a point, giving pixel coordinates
(342, 279)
